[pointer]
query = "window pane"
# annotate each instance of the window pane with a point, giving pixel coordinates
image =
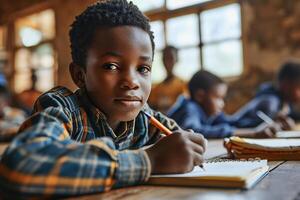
(173, 4)
(23, 60)
(32, 29)
(158, 28)
(44, 79)
(183, 31)
(158, 71)
(224, 59)
(22, 82)
(221, 23)
(148, 5)
(42, 57)
(188, 63)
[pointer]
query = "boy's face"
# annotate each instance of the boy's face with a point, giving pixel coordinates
(291, 91)
(169, 60)
(213, 101)
(118, 72)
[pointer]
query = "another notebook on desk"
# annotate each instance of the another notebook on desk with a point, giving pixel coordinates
(288, 134)
(271, 149)
(221, 173)
(295, 133)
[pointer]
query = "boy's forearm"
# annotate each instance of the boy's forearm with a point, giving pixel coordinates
(44, 160)
(72, 170)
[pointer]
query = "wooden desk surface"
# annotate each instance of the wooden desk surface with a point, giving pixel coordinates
(283, 182)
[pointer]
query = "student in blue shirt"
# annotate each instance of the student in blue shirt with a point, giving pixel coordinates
(275, 100)
(97, 138)
(202, 111)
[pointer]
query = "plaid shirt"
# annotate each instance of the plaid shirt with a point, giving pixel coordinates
(10, 122)
(67, 148)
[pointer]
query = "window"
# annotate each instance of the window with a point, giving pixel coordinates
(208, 36)
(35, 51)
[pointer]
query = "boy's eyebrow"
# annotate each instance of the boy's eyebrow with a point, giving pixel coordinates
(116, 54)
(111, 53)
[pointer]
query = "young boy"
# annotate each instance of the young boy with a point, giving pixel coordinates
(202, 112)
(276, 101)
(164, 95)
(91, 140)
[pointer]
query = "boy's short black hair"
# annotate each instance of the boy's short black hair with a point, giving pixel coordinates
(289, 71)
(108, 13)
(203, 80)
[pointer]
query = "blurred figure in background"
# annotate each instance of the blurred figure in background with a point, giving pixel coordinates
(27, 98)
(10, 117)
(275, 100)
(164, 95)
(203, 110)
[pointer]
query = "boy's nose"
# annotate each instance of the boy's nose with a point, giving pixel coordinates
(129, 80)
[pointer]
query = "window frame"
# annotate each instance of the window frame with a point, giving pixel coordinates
(12, 46)
(163, 14)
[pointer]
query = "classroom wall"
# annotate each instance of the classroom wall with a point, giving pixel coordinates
(271, 35)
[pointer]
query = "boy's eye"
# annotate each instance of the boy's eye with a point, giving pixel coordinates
(110, 66)
(144, 69)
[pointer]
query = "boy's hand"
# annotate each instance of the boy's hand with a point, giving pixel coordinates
(286, 123)
(266, 131)
(177, 153)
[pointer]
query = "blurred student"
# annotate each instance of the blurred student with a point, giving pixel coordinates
(10, 118)
(27, 98)
(164, 95)
(93, 139)
(203, 110)
(275, 100)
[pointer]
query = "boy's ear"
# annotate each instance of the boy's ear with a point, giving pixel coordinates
(199, 95)
(77, 74)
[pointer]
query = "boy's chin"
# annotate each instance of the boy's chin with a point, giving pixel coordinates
(129, 116)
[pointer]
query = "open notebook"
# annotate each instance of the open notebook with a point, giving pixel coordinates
(220, 173)
(295, 133)
(288, 134)
(271, 149)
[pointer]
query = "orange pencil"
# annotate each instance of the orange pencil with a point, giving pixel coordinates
(162, 128)
(158, 125)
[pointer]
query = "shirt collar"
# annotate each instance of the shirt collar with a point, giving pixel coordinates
(88, 104)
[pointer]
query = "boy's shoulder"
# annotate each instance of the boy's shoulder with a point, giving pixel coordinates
(57, 97)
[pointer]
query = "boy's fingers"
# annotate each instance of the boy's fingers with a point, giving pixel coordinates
(198, 139)
(269, 133)
(198, 159)
(197, 148)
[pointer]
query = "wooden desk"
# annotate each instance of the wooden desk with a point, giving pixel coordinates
(283, 182)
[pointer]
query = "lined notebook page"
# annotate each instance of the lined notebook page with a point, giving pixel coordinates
(222, 169)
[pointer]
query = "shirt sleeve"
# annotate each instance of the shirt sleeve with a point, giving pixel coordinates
(191, 119)
(246, 117)
(44, 160)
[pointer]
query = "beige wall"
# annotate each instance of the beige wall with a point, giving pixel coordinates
(65, 13)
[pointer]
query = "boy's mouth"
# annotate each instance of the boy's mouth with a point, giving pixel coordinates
(129, 101)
